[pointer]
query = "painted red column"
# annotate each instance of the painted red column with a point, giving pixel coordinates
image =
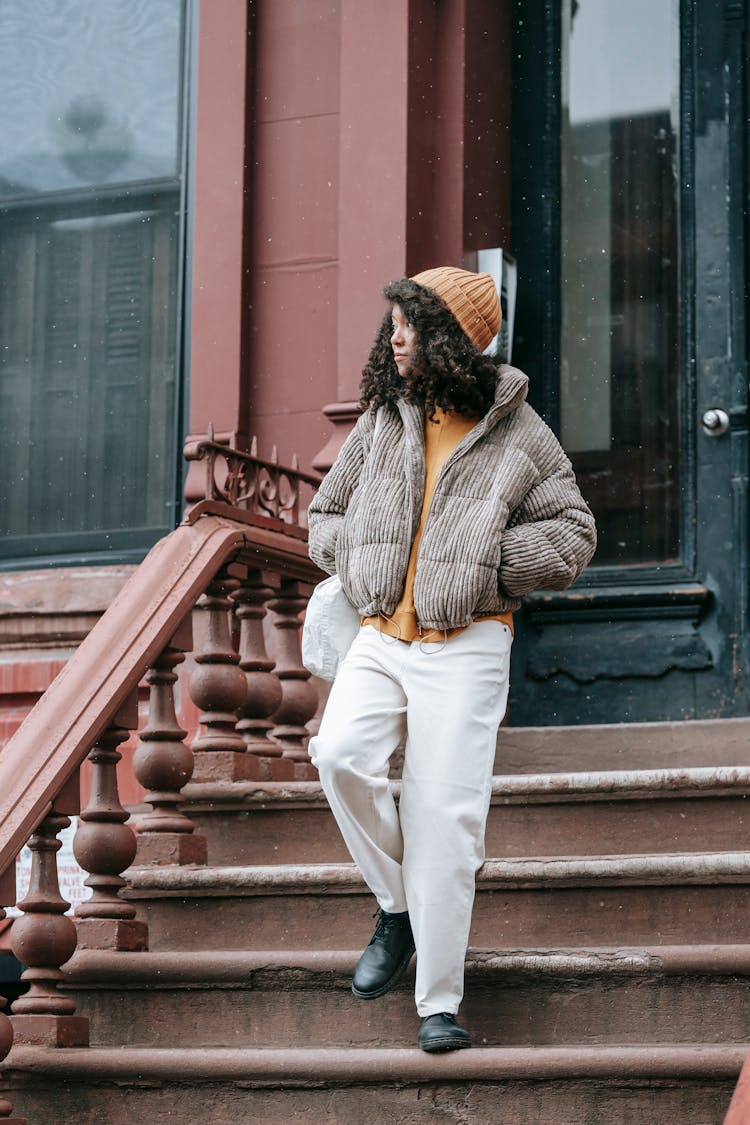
(423, 158)
(436, 135)
(459, 131)
(220, 230)
(372, 187)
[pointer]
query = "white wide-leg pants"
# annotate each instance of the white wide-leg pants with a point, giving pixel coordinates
(422, 855)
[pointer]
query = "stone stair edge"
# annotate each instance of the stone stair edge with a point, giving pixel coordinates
(692, 781)
(164, 969)
(515, 873)
(376, 1065)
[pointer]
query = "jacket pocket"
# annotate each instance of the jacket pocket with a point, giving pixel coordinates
(488, 602)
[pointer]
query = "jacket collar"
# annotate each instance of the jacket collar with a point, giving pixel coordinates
(512, 388)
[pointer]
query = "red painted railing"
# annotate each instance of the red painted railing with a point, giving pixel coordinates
(194, 611)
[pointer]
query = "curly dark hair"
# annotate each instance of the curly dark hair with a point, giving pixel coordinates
(452, 373)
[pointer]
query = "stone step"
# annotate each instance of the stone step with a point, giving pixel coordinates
(577, 901)
(668, 811)
(576, 1085)
(623, 746)
(513, 998)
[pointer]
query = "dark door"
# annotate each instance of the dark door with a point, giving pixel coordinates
(628, 226)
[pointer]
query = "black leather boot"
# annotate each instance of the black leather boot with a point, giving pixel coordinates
(384, 961)
(441, 1033)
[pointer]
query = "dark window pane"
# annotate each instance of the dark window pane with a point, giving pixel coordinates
(619, 346)
(89, 303)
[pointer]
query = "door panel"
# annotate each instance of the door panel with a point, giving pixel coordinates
(637, 282)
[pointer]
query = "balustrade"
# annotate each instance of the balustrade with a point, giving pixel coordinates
(105, 846)
(299, 697)
(163, 764)
(6, 1042)
(218, 688)
(264, 692)
(253, 712)
(7, 897)
(269, 495)
(44, 938)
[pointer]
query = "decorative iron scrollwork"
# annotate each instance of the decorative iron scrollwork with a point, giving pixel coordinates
(245, 480)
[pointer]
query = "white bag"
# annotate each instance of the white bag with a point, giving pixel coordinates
(331, 624)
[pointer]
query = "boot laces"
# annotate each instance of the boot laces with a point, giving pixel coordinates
(385, 923)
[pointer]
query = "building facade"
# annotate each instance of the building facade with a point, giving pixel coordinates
(200, 202)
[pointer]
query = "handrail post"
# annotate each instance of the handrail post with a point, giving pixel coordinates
(105, 846)
(163, 764)
(44, 938)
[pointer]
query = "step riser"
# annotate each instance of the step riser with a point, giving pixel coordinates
(524, 919)
(657, 826)
(502, 1013)
(523, 1103)
(624, 746)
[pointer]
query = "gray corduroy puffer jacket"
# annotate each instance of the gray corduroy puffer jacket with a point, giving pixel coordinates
(506, 518)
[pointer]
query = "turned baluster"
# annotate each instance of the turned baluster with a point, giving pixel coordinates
(43, 939)
(218, 688)
(6, 1042)
(263, 687)
(105, 846)
(163, 764)
(7, 897)
(299, 699)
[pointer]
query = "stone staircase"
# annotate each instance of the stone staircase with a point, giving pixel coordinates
(608, 978)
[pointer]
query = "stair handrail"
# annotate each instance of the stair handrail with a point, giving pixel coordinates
(255, 510)
(246, 523)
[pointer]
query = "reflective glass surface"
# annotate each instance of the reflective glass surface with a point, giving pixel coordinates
(90, 230)
(90, 91)
(620, 271)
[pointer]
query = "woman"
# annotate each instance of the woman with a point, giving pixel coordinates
(449, 500)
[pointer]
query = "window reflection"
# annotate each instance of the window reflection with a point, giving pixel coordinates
(619, 346)
(90, 189)
(94, 90)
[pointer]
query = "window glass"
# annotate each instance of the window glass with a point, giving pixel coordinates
(90, 230)
(620, 270)
(94, 87)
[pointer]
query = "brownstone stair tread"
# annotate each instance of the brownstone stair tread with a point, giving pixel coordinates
(513, 998)
(377, 1065)
(518, 873)
(214, 968)
(644, 784)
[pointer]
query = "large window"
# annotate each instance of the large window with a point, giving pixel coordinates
(91, 230)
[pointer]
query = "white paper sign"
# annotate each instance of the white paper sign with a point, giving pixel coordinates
(71, 876)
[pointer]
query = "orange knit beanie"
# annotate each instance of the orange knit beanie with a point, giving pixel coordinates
(471, 297)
